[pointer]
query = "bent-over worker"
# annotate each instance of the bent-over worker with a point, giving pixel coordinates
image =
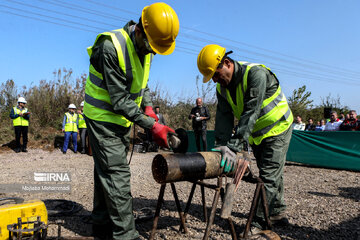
(252, 94)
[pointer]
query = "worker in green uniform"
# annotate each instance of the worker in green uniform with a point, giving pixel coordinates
(116, 91)
(252, 94)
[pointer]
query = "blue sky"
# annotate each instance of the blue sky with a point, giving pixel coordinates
(315, 43)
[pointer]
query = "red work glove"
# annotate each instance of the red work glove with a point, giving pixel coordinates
(150, 112)
(159, 134)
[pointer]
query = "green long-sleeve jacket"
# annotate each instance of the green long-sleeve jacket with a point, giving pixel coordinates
(105, 60)
(261, 84)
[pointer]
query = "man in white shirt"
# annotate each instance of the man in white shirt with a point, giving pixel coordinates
(298, 125)
(334, 123)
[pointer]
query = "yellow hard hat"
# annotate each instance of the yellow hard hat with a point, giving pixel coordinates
(161, 26)
(209, 59)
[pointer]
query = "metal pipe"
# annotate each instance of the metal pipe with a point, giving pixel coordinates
(213, 210)
(252, 209)
(265, 206)
(232, 229)
(188, 204)
(173, 167)
(157, 212)
(203, 202)
(181, 214)
(207, 185)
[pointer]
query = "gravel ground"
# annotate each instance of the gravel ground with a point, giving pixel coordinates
(322, 203)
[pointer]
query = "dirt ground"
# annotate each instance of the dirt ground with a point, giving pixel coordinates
(322, 203)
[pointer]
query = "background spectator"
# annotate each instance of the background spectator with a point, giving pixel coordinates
(310, 126)
(342, 117)
(20, 116)
(159, 115)
(350, 124)
(321, 127)
(82, 128)
(347, 116)
(70, 127)
(199, 115)
(334, 123)
(298, 124)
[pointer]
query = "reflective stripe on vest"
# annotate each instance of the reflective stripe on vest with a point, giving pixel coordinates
(70, 124)
(82, 123)
(275, 115)
(97, 105)
(20, 121)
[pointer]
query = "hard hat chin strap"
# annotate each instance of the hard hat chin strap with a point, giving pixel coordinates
(223, 59)
(226, 54)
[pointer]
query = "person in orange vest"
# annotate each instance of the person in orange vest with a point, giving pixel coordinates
(20, 116)
(70, 128)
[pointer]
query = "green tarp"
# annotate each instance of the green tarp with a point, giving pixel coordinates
(339, 150)
(210, 140)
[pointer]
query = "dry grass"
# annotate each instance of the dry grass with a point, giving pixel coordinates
(48, 102)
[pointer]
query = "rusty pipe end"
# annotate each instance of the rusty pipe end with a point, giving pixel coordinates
(159, 168)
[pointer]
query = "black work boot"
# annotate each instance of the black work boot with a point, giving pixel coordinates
(24, 149)
(17, 150)
(279, 219)
(103, 232)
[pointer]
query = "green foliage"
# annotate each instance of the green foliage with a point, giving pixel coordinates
(49, 100)
(299, 102)
(8, 95)
(334, 104)
(8, 98)
(206, 91)
(176, 111)
(316, 113)
(301, 105)
(6, 131)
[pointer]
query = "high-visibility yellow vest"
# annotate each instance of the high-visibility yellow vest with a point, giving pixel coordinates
(20, 121)
(275, 114)
(97, 104)
(70, 124)
(82, 123)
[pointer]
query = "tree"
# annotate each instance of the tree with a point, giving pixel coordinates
(50, 98)
(300, 103)
(8, 95)
(334, 104)
(206, 91)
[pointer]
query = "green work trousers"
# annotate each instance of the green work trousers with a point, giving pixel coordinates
(270, 157)
(112, 195)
